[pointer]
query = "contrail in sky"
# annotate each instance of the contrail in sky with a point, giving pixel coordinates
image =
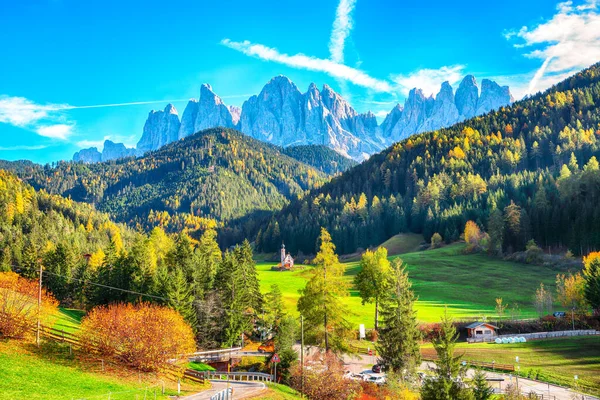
(538, 75)
(135, 103)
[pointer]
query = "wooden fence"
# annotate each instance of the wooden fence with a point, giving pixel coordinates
(474, 363)
(58, 335)
(361, 350)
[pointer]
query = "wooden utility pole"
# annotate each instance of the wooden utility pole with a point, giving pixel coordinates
(39, 310)
(302, 355)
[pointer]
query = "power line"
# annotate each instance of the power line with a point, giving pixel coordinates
(106, 286)
(100, 285)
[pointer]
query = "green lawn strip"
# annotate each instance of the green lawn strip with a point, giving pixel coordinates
(200, 367)
(467, 284)
(68, 319)
(553, 360)
(280, 392)
(27, 374)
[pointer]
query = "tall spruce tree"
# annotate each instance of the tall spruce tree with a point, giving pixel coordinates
(209, 257)
(180, 297)
(320, 301)
(398, 343)
(237, 282)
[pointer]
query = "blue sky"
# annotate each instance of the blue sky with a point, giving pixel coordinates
(60, 55)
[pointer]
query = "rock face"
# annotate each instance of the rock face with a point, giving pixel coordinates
(208, 112)
(275, 115)
(162, 127)
(493, 96)
(421, 114)
(466, 97)
(284, 116)
(281, 114)
(188, 119)
(113, 151)
(88, 156)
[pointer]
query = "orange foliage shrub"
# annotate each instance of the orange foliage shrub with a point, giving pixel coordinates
(19, 305)
(145, 336)
(324, 378)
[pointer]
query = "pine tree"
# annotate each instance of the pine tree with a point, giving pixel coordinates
(446, 383)
(319, 303)
(398, 343)
(180, 297)
(273, 310)
(481, 389)
(591, 275)
(209, 257)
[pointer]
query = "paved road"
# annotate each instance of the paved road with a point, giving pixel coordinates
(358, 364)
(241, 390)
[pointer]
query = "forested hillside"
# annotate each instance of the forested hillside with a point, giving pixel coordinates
(321, 157)
(88, 260)
(528, 171)
(35, 224)
(216, 175)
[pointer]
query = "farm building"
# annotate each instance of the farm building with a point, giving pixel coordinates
(482, 331)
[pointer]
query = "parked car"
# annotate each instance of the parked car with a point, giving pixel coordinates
(378, 368)
(378, 380)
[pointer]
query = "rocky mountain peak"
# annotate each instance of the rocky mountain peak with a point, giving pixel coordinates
(466, 97)
(493, 96)
(170, 109)
(281, 114)
(161, 127)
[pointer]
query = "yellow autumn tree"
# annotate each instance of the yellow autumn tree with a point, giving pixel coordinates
(19, 305)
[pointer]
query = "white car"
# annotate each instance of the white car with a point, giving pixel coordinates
(378, 380)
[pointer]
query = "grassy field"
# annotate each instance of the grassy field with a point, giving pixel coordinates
(280, 392)
(398, 244)
(467, 284)
(30, 373)
(558, 360)
(68, 319)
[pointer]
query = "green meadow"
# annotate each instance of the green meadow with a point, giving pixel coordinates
(28, 373)
(467, 284)
(552, 360)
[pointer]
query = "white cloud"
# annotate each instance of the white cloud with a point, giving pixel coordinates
(382, 113)
(341, 30)
(379, 103)
(429, 80)
(310, 63)
(569, 41)
(43, 119)
(57, 131)
(19, 111)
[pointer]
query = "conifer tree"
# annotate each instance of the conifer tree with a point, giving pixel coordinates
(398, 343)
(180, 297)
(209, 257)
(446, 384)
(320, 300)
(591, 275)
(481, 389)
